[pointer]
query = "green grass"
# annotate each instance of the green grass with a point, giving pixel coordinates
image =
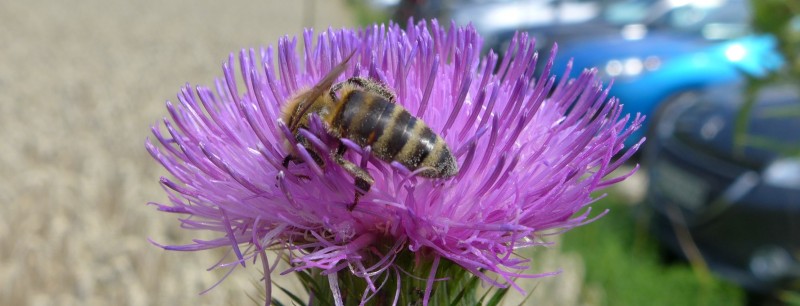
(623, 264)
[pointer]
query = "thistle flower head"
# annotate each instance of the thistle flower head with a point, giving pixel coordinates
(530, 149)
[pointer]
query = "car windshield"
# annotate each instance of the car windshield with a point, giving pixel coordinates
(713, 19)
(708, 19)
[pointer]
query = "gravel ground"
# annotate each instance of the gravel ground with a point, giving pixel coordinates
(80, 84)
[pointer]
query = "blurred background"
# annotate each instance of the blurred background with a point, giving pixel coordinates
(81, 82)
(712, 218)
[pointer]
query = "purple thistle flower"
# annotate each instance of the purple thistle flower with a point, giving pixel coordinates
(530, 151)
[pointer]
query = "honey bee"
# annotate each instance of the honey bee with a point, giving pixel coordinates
(365, 111)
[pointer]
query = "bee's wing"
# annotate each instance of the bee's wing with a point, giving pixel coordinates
(318, 90)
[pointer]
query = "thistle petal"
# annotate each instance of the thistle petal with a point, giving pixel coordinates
(530, 151)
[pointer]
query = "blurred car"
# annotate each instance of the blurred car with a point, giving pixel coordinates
(736, 207)
(654, 50)
(661, 50)
(654, 70)
(498, 20)
(562, 20)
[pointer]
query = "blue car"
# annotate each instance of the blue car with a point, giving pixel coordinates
(654, 50)
(651, 71)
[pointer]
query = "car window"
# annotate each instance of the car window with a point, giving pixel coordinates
(712, 19)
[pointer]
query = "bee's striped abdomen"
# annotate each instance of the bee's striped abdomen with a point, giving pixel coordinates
(394, 134)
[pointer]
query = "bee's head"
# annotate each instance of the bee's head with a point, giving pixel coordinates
(299, 106)
(291, 110)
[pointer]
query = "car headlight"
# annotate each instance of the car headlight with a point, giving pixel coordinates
(631, 67)
(735, 52)
(755, 56)
(773, 263)
(783, 172)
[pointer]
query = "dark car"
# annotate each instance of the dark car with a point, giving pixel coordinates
(730, 199)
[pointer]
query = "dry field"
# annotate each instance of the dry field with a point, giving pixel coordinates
(80, 84)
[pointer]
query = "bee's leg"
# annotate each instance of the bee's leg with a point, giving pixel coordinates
(363, 179)
(336, 87)
(298, 160)
(290, 158)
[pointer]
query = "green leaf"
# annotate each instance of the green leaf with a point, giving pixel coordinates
(483, 297)
(276, 302)
(290, 294)
(497, 297)
(309, 283)
(468, 289)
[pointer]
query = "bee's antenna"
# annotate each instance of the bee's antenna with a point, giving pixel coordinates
(307, 99)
